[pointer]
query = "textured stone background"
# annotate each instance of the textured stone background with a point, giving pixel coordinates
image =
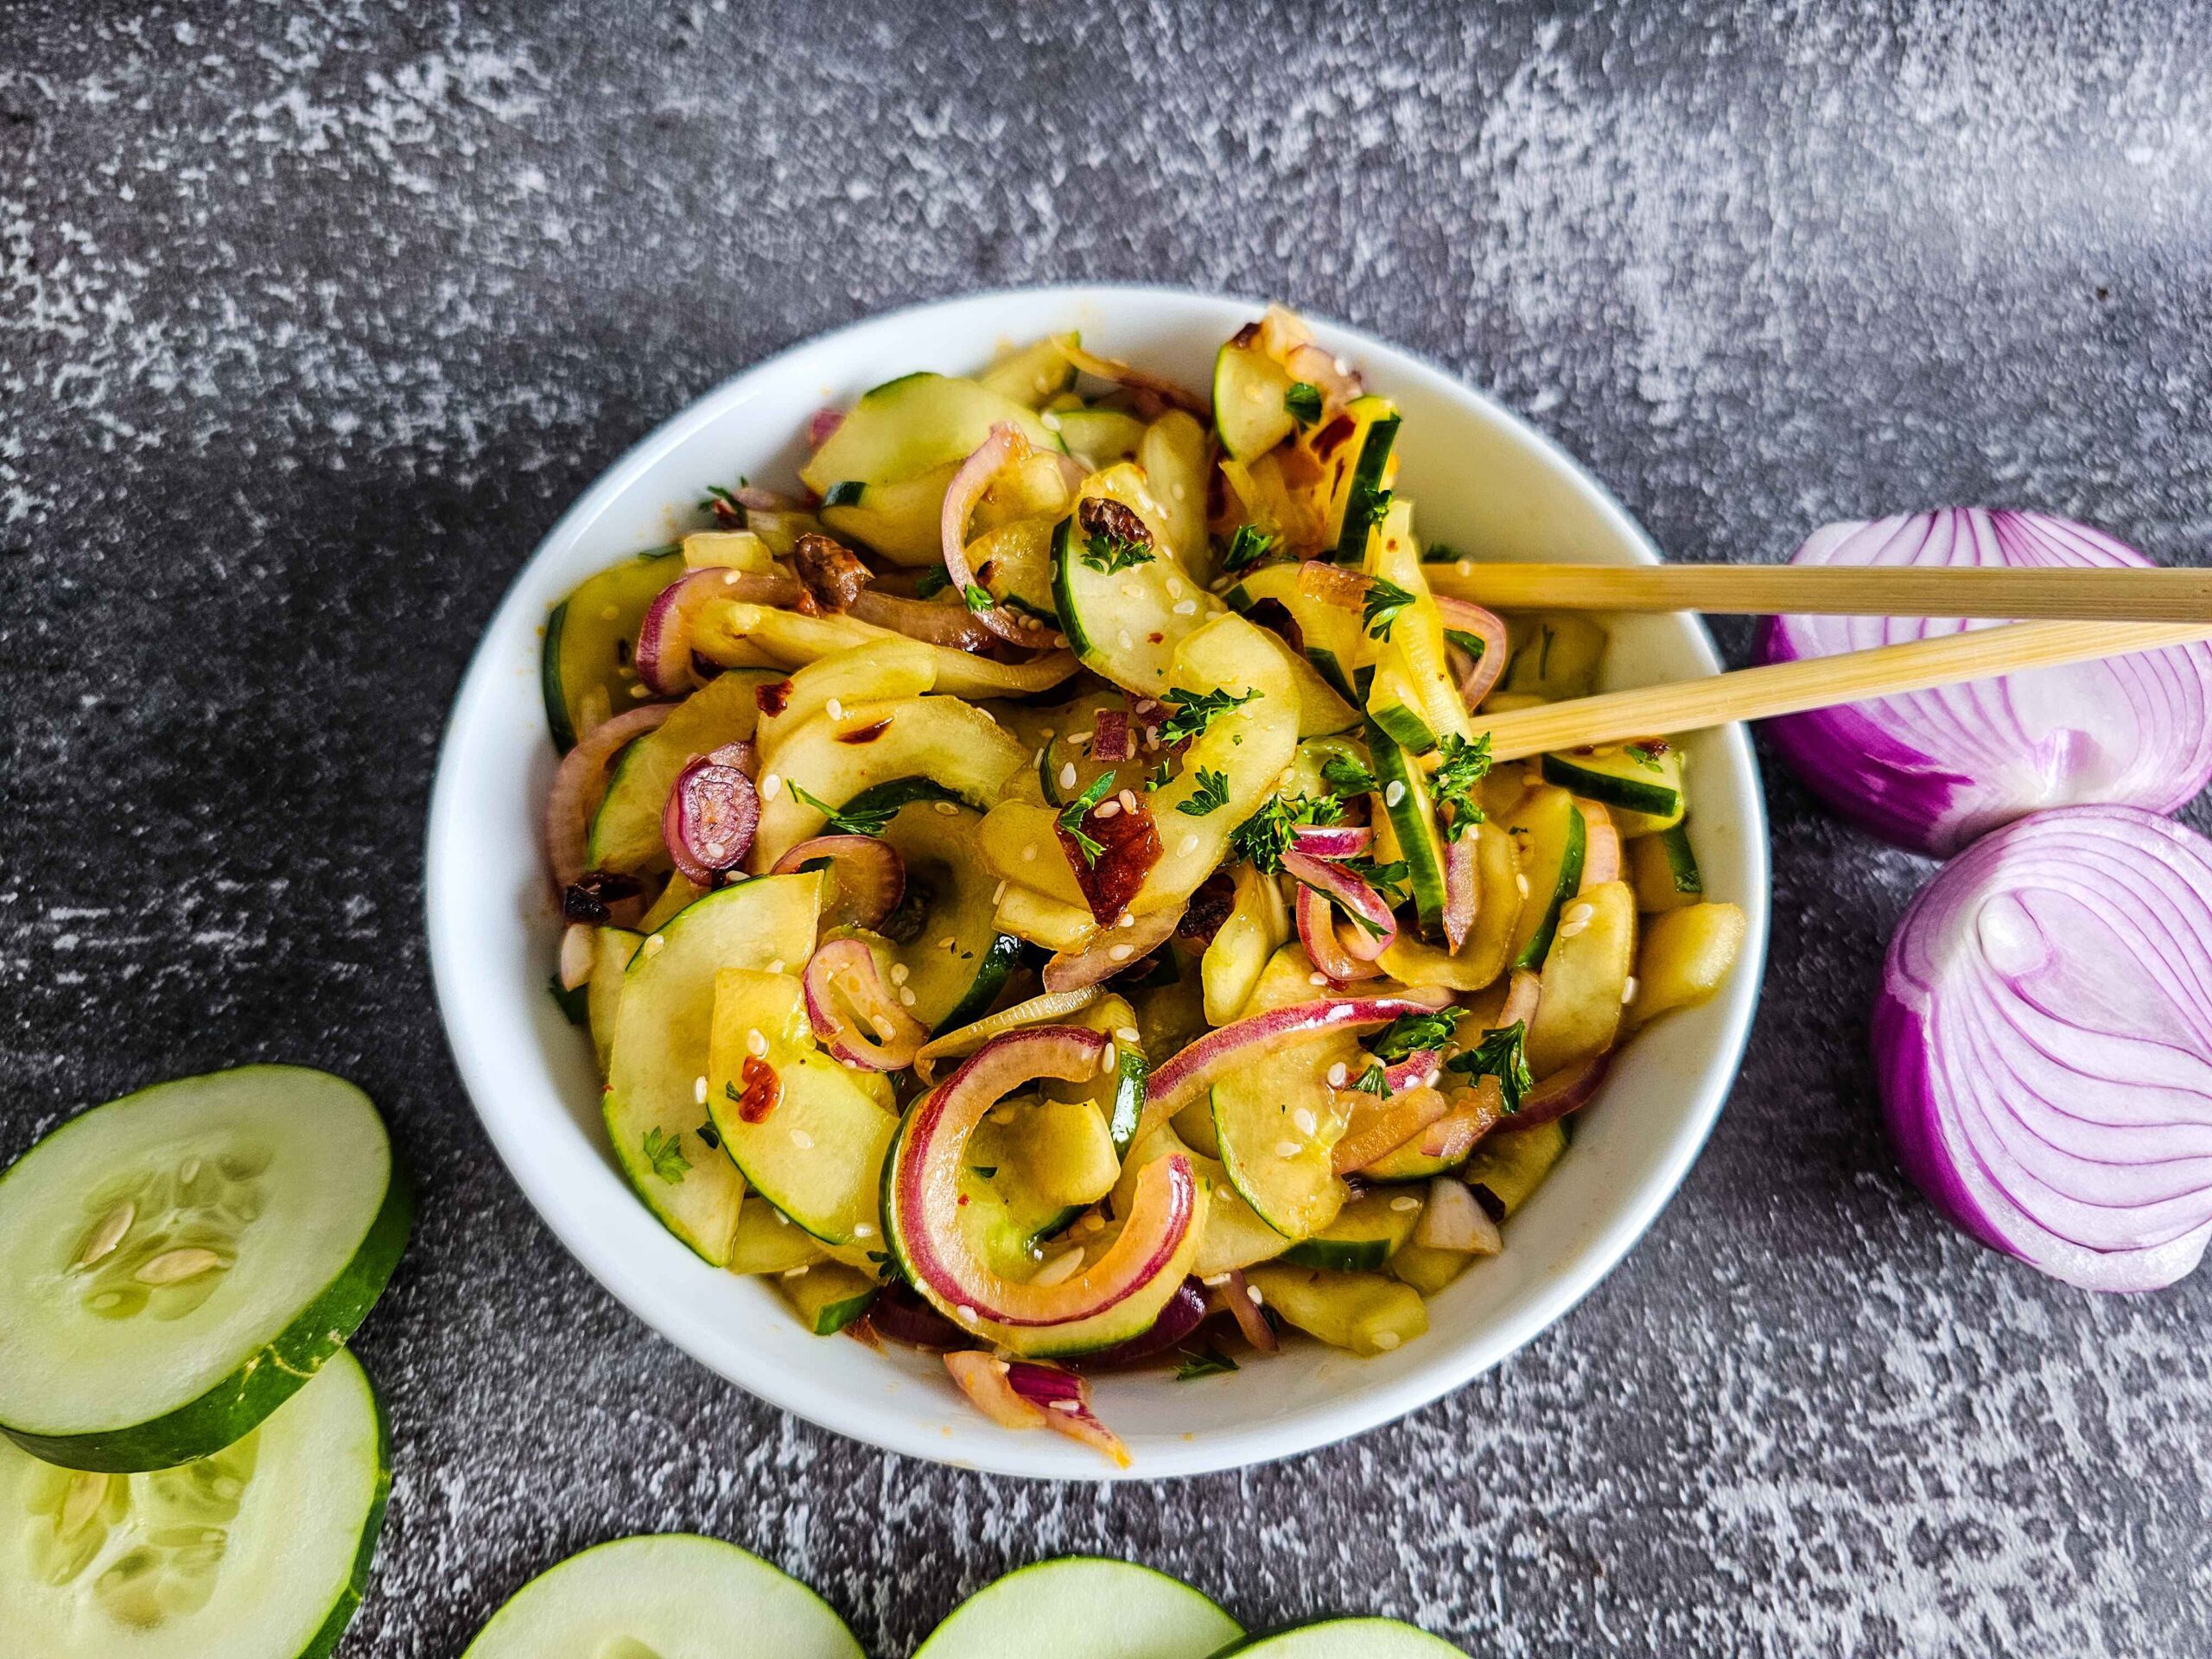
(313, 316)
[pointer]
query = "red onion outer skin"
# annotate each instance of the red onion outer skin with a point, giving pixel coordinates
(1931, 769)
(2042, 1041)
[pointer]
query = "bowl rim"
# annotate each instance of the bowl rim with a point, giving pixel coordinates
(1356, 1413)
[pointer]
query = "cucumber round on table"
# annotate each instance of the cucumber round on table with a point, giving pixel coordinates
(1083, 1607)
(181, 1260)
(1343, 1638)
(667, 1596)
(260, 1551)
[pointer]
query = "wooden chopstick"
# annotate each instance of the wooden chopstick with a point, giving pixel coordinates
(1822, 681)
(1834, 589)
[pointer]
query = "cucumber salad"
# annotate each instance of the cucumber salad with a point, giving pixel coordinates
(1038, 890)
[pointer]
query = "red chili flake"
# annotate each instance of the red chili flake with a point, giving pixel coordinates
(761, 1090)
(865, 734)
(1129, 845)
(1155, 638)
(773, 698)
(1333, 434)
(964, 1199)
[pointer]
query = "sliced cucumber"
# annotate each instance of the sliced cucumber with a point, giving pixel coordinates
(1556, 655)
(912, 424)
(1234, 1237)
(1336, 647)
(1124, 623)
(1547, 829)
(184, 1258)
(1511, 1164)
(673, 1596)
(899, 519)
(1641, 783)
(828, 1297)
(1362, 470)
(956, 960)
(662, 1033)
(1362, 1312)
(625, 834)
(260, 1550)
(1665, 870)
(612, 951)
(1083, 1607)
(1429, 1271)
(1366, 1233)
(1031, 376)
(1100, 437)
(1249, 408)
(1412, 814)
(1117, 1097)
(1343, 1638)
(1277, 1120)
(590, 638)
(767, 1240)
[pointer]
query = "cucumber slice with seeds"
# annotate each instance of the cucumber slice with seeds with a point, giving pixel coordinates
(185, 1258)
(1343, 1638)
(1083, 1607)
(258, 1551)
(674, 1596)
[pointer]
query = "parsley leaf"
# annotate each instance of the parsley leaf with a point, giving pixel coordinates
(1646, 758)
(1196, 710)
(979, 599)
(1410, 1031)
(724, 505)
(1461, 766)
(1347, 777)
(1212, 1362)
(1263, 838)
(1073, 814)
(1303, 403)
(1389, 880)
(1159, 778)
(665, 1153)
(1105, 552)
(1373, 1081)
(1500, 1054)
(933, 582)
(870, 821)
(1248, 547)
(1212, 794)
(1380, 607)
(1470, 643)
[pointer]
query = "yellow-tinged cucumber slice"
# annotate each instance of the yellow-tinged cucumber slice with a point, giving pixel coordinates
(1124, 621)
(1586, 971)
(183, 1259)
(1083, 1607)
(1362, 1312)
(830, 1296)
(1641, 783)
(1366, 1233)
(626, 833)
(590, 638)
(1511, 1164)
(1664, 870)
(1548, 831)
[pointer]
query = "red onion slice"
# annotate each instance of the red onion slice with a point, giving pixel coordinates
(664, 659)
(1461, 888)
(1118, 949)
(1419, 1070)
(1362, 942)
(1064, 1400)
(847, 967)
(821, 425)
(2043, 1039)
(901, 1313)
(1245, 1308)
(1332, 839)
(1932, 770)
(868, 878)
(1185, 1312)
(1124, 374)
(1325, 941)
(1180, 1079)
(1005, 446)
(1601, 846)
(568, 803)
(1476, 673)
(712, 812)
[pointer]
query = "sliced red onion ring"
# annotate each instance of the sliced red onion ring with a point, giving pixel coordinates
(1052, 1008)
(1118, 950)
(1179, 1080)
(1005, 446)
(868, 877)
(847, 966)
(953, 626)
(712, 812)
(1362, 942)
(664, 659)
(900, 1312)
(1110, 739)
(1124, 374)
(1521, 988)
(1236, 1296)
(1380, 1130)
(1601, 845)
(2043, 1039)
(821, 425)
(1064, 1400)
(1477, 673)
(575, 785)
(1185, 1312)
(1332, 839)
(1325, 941)
(1461, 889)
(1562, 1092)
(1419, 1070)
(1932, 770)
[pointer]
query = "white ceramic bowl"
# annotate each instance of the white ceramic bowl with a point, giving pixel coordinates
(1483, 481)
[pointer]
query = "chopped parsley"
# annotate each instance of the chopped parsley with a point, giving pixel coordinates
(1248, 547)
(933, 582)
(1470, 643)
(724, 505)
(1073, 814)
(1347, 777)
(1648, 758)
(1410, 1033)
(1196, 710)
(1212, 1362)
(1389, 880)
(1263, 838)
(1500, 1054)
(869, 821)
(665, 1153)
(1212, 794)
(1159, 778)
(1303, 403)
(1373, 1081)
(1380, 607)
(1106, 552)
(979, 599)
(1462, 764)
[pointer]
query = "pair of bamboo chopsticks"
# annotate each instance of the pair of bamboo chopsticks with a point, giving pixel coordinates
(2083, 614)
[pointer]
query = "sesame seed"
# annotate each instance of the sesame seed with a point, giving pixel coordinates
(729, 578)
(640, 691)
(802, 1140)
(771, 786)
(1344, 365)
(1120, 952)
(947, 810)
(1059, 1270)
(756, 1042)
(1130, 590)
(1128, 797)
(905, 996)
(1188, 845)
(1070, 1406)
(1307, 1123)
(1128, 919)
(1178, 492)
(1465, 566)
(1175, 588)
(1106, 809)
(1127, 643)
(782, 1220)
(968, 1315)
(1059, 642)
(1386, 1340)
(1630, 987)
(653, 946)
(1405, 1204)
(863, 1229)
(1029, 854)
(1003, 1115)
(1581, 913)
(1049, 421)
(1214, 1281)
(1429, 1080)
(1106, 1058)
(1395, 793)
(1522, 882)
(1338, 1073)
(1317, 979)
(901, 973)
(699, 1090)
(946, 942)
(1185, 607)
(884, 1029)
(834, 709)
(1044, 732)
(1067, 775)
(998, 892)
(1568, 930)
(1091, 1223)
(1286, 1148)
(1252, 1292)
(799, 1272)
(1127, 1033)
(777, 966)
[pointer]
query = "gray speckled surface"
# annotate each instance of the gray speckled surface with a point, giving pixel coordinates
(313, 317)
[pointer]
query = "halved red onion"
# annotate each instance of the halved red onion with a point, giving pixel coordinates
(1932, 770)
(1365, 906)
(867, 877)
(712, 812)
(1236, 1296)
(846, 969)
(1462, 888)
(1477, 673)
(1324, 942)
(922, 1196)
(663, 658)
(1332, 839)
(1110, 739)
(1064, 1400)
(1118, 950)
(2042, 1041)
(1004, 445)
(953, 626)
(1185, 1312)
(821, 425)
(576, 783)
(1181, 1078)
